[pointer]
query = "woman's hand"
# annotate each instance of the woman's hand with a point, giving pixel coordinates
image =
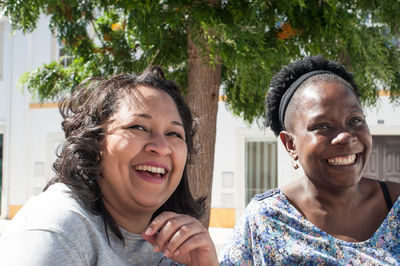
(182, 238)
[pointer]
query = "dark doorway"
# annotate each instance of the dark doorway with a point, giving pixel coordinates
(384, 163)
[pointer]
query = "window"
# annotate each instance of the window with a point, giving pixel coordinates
(64, 58)
(58, 52)
(260, 167)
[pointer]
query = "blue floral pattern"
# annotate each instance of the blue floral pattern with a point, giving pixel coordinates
(272, 231)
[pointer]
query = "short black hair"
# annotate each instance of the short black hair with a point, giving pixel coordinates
(282, 80)
(86, 114)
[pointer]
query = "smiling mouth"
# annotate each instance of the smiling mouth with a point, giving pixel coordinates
(151, 169)
(343, 160)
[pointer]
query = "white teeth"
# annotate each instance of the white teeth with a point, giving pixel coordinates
(342, 160)
(153, 169)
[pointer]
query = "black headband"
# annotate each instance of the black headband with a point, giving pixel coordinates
(289, 93)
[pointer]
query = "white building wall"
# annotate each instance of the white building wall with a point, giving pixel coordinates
(5, 75)
(45, 125)
(225, 161)
(25, 130)
(229, 158)
(384, 118)
(18, 129)
(5, 105)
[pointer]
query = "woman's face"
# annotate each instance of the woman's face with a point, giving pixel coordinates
(331, 136)
(143, 153)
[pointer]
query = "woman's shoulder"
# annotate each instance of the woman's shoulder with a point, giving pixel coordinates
(267, 203)
(394, 190)
(267, 195)
(54, 210)
(53, 227)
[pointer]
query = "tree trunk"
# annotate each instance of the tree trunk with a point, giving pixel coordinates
(204, 81)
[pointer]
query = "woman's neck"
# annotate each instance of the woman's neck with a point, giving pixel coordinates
(351, 214)
(328, 196)
(133, 222)
(304, 192)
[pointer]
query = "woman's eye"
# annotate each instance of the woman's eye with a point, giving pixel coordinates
(175, 134)
(321, 127)
(138, 127)
(356, 120)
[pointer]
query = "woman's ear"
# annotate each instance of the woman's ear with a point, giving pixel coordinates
(287, 139)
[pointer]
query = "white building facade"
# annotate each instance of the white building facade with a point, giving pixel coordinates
(26, 130)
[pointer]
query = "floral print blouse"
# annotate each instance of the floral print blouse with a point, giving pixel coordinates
(272, 232)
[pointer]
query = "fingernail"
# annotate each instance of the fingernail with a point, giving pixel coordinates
(177, 253)
(148, 231)
(166, 252)
(156, 248)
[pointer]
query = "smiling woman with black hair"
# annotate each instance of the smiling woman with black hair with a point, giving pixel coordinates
(121, 191)
(332, 215)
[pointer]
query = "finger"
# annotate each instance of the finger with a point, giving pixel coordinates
(201, 249)
(150, 239)
(201, 241)
(183, 233)
(158, 222)
(169, 229)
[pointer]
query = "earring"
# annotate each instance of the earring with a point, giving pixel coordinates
(295, 165)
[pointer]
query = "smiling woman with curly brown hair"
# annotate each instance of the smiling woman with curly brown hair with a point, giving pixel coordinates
(121, 191)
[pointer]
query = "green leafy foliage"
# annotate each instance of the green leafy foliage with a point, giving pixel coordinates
(251, 39)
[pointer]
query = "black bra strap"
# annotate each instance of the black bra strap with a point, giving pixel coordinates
(386, 194)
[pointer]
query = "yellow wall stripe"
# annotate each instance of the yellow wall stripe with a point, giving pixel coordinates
(221, 217)
(222, 98)
(43, 105)
(12, 210)
(383, 93)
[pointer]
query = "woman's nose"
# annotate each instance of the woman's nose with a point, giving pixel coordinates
(343, 137)
(158, 145)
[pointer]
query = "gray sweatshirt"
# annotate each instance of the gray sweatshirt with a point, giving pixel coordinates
(54, 229)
